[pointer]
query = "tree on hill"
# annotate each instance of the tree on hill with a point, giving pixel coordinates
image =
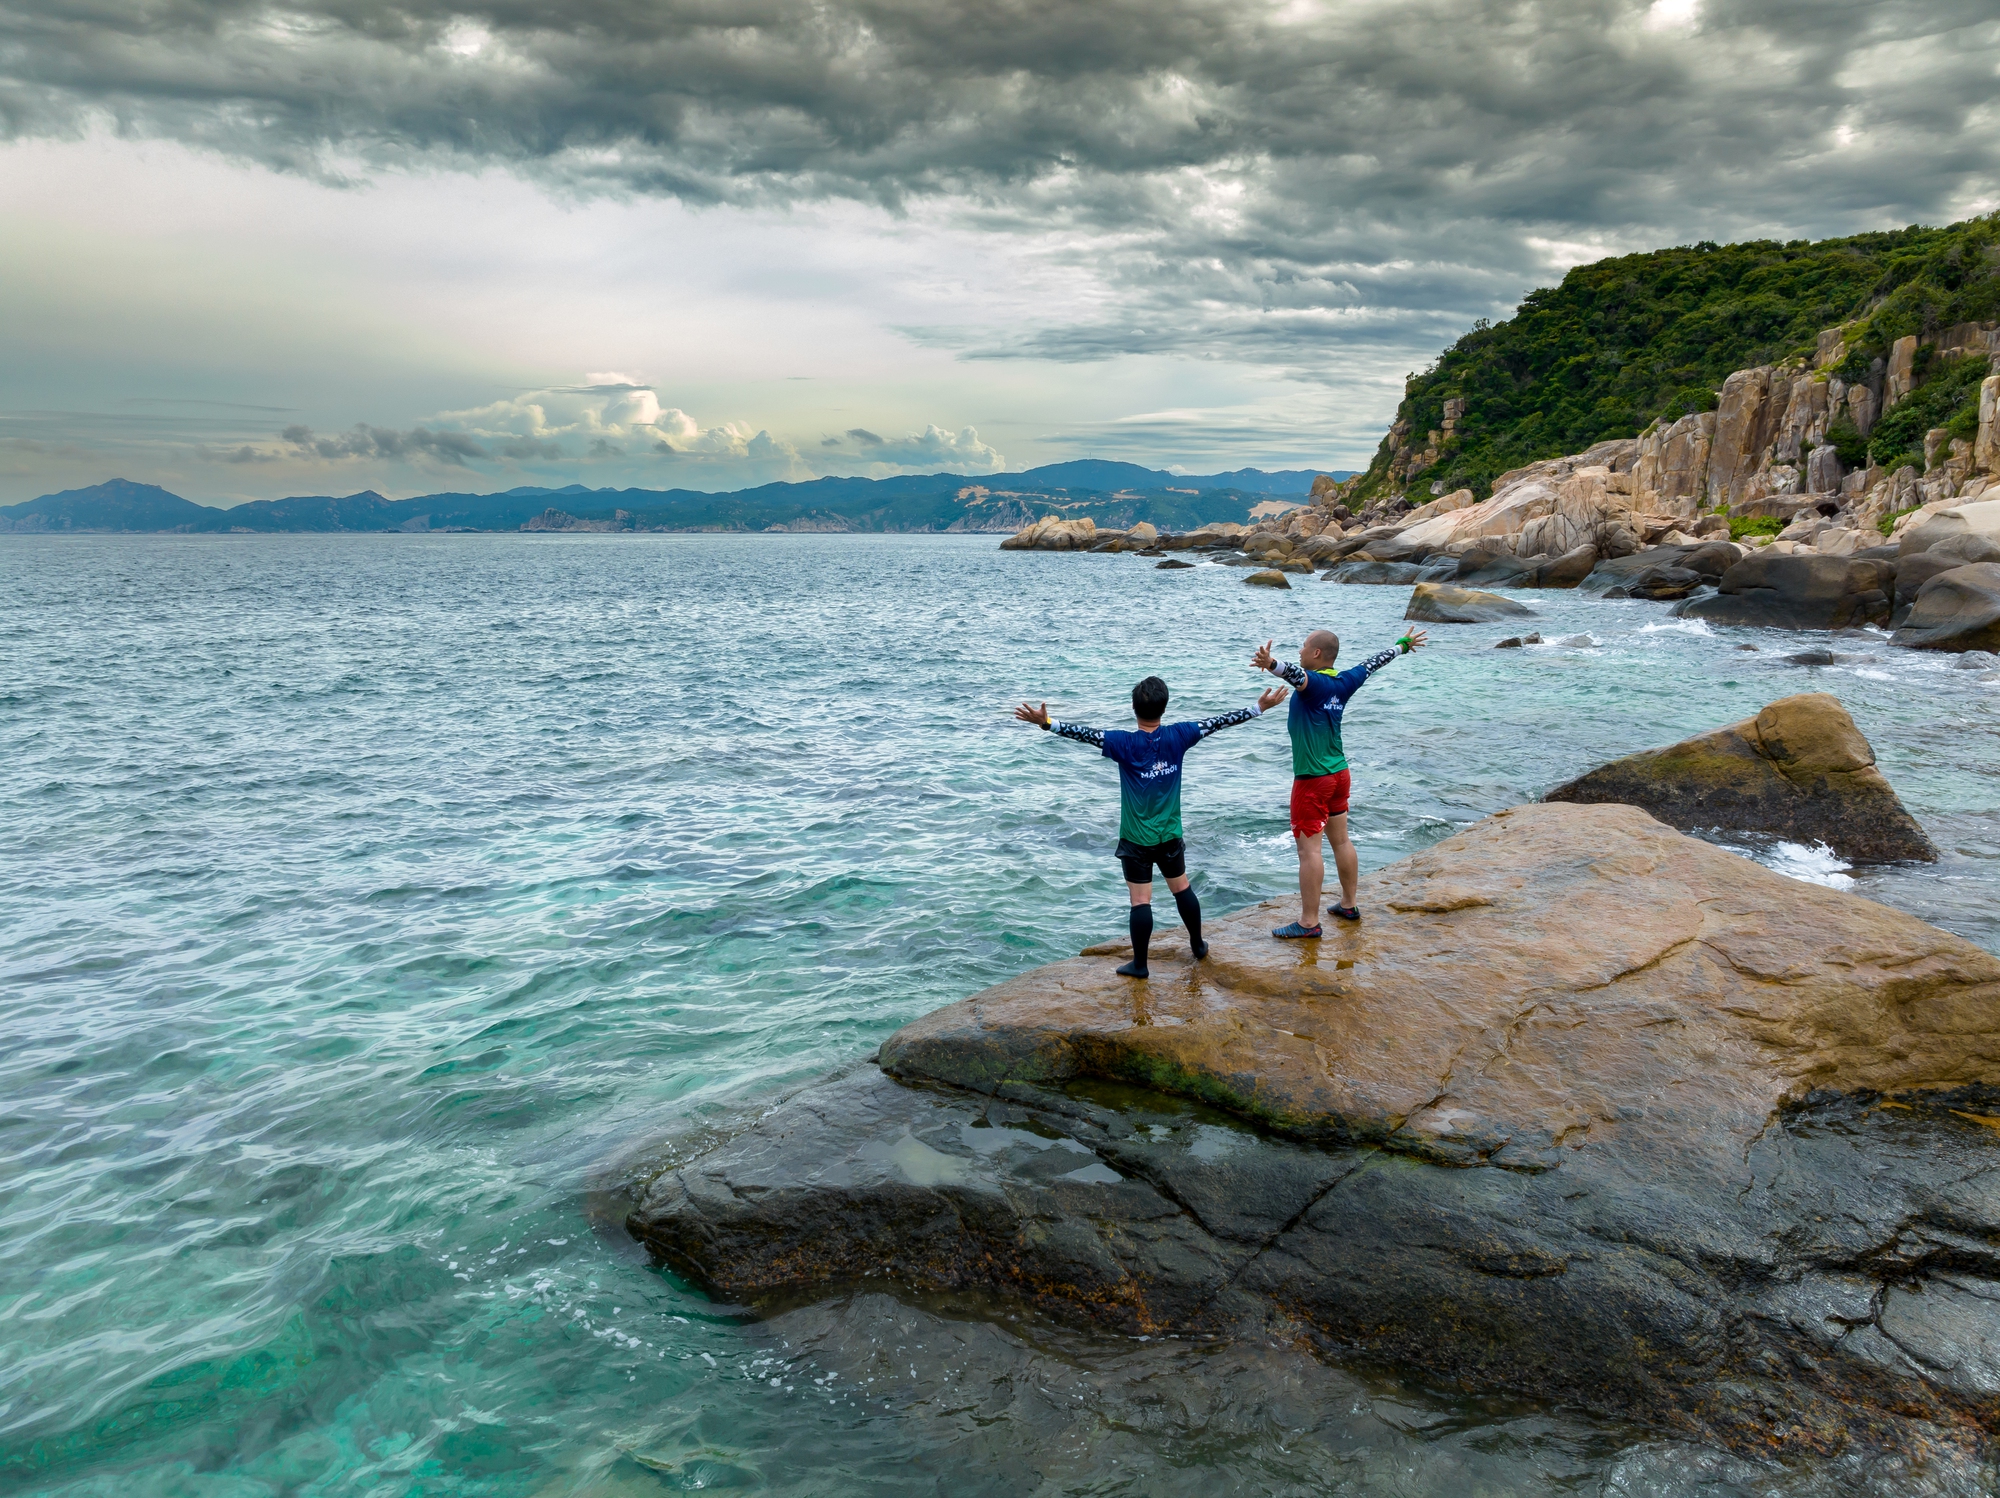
(1625, 341)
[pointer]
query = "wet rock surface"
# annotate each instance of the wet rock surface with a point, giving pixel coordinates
(1583, 1109)
(1008, 1403)
(1799, 770)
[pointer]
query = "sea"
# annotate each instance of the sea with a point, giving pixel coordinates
(377, 913)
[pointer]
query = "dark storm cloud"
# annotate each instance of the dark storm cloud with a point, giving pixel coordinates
(1250, 180)
(364, 441)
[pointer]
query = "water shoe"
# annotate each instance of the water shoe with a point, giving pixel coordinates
(1344, 912)
(1133, 970)
(1295, 932)
(1200, 950)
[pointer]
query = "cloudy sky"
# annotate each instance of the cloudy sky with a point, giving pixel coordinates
(255, 249)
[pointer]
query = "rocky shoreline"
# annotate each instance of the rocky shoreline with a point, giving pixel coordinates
(1916, 550)
(1590, 1112)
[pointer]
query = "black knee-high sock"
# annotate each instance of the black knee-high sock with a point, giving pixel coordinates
(1142, 933)
(1190, 909)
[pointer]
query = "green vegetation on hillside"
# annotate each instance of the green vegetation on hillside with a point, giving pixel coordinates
(1624, 341)
(1948, 398)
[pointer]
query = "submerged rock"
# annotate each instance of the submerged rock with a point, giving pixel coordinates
(1583, 1110)
(1171, 565)
(1515, 642)
(1798, 770)
(1447, 603)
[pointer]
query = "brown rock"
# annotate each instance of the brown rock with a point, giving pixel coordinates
(1955, 610)
(1587, 1110)
(1051, 533)
(1587, 924)
(1447, 603)
(1803, 591)
(1986, 444)
(1269, 578)
(1672, 470)
(1902, 370)
(1799, 770)
(1742, 425)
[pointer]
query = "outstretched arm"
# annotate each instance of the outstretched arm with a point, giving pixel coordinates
(1349, 681)
(1039, 716)
(1265, 703)
(1289, 671)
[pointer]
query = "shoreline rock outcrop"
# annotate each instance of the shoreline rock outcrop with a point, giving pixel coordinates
(1956, 609)
(1798, 592)
(1798, 770)
(1447, 603)
(1584, 1110)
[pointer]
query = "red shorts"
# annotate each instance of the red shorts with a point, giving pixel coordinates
(1316, 798)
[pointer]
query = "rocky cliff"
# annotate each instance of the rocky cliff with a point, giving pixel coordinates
(1636, 341)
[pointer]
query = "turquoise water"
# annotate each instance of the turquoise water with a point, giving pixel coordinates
(374, 910)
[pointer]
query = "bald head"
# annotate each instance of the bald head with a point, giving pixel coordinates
(1320, 650)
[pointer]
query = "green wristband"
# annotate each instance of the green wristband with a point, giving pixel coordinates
(1404, 643)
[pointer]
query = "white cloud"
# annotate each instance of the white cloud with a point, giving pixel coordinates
(933, 450)
(1672, 15)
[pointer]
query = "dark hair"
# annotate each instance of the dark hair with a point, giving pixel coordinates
(1149, 699)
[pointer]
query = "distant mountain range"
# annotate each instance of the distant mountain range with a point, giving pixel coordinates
(1110, 493)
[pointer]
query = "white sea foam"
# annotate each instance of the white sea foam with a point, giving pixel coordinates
(1874, 675)
(1679, 626)
(1817, 864)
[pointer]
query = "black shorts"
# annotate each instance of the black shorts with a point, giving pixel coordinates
(1139, 859)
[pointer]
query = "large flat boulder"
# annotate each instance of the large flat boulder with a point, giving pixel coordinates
(1799, 770)
(1958, 609)
(1447, 603)
(1799, 591)
(1583, 1110)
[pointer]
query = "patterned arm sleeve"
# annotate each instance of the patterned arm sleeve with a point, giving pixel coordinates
(1349, 681)
(1208, 726)
(1091, 736)
(1291, 673)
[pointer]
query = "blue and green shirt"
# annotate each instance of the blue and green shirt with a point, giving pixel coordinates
(1149, 770)
(1317, 700)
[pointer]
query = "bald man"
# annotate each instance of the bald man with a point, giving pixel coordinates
(1319, 768)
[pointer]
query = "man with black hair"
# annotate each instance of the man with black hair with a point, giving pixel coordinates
(1149, 784)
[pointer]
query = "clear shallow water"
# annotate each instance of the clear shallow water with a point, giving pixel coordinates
(372, 909)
